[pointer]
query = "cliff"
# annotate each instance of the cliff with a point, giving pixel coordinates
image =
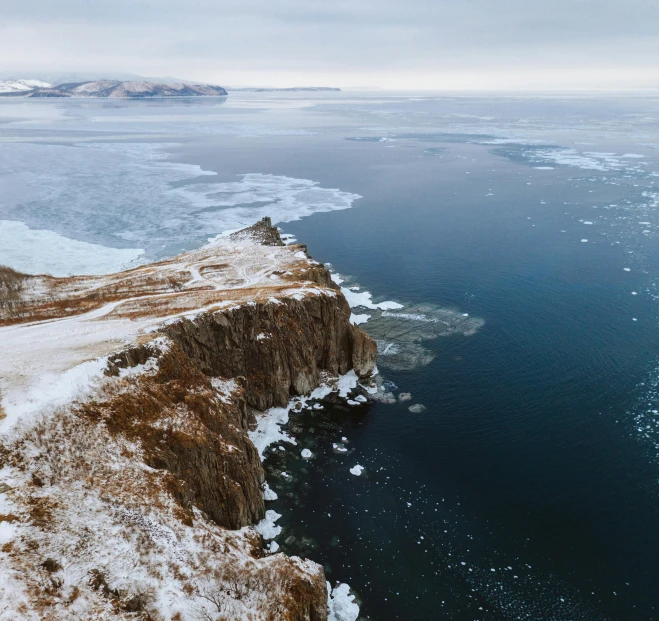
(128, 481)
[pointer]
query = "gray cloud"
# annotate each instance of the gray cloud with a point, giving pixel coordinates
(392, 42)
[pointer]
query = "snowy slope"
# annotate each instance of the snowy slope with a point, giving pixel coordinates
(16, 86)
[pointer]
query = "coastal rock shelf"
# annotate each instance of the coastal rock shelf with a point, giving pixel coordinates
(129, 485)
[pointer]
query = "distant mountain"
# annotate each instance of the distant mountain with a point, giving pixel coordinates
(137, 89)
(21, 86)
(294, 89)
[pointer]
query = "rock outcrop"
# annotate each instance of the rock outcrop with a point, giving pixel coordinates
(128, 486)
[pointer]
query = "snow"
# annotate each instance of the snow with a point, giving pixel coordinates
(269, 429)
(341, 604)
(17, 86)
(357, 470)
(269, 426)
(267, 527)
(34, 251)
(51, 391)
(7, 532)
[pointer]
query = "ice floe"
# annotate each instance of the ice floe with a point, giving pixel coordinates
(267, 527)
(46, 188)
(341, 604)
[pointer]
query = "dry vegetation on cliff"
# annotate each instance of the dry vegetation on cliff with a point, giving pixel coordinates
(128, 482)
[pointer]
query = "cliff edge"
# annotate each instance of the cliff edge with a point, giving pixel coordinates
(128, 480)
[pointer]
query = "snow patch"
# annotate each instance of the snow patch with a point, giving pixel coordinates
(51, 391)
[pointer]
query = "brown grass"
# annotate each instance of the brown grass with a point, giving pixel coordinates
(11, 285)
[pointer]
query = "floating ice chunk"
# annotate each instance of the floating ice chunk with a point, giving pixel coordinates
(273, 547)
(306, 454)
(357, 470)
(363, 299)
(267, 527)
(634, 293)
(269, 494)
(359, 319)
(341, 604)
(347, 383)
(634, 319)
(626, 269)
(584, 240)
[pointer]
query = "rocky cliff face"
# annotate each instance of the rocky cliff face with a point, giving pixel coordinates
(135, 496)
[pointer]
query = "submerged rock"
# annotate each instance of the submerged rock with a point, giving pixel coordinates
(404, 396)
(417, 408)
(399, 334)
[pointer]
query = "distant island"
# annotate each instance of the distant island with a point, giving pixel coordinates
(140, 89)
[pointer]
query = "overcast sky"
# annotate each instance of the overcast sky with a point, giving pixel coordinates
(421, 44)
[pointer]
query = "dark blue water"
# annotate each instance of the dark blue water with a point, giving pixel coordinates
(528, 488)
(524, 491)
